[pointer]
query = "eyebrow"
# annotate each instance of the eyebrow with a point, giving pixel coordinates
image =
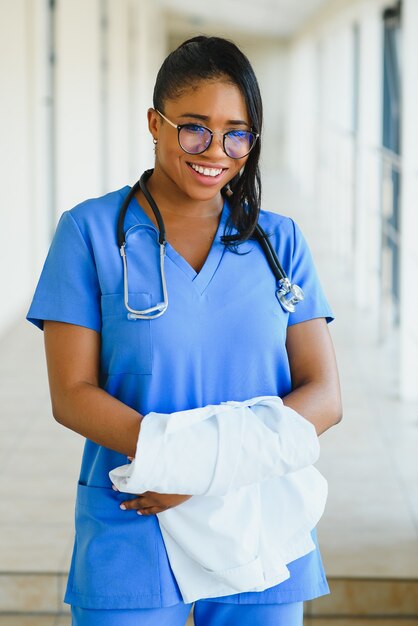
(205, 118)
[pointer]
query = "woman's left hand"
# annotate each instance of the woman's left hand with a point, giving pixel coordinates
(150, 502)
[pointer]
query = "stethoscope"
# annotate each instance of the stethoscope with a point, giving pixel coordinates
(288, 294)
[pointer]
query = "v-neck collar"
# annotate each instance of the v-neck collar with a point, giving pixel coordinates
(202, 278)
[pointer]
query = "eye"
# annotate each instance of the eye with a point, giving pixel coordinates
(239, 134)
(194, 128)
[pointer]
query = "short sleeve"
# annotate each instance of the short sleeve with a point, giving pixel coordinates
(68, 289)
(304, 274)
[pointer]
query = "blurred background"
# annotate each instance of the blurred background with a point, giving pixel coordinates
(339, 80)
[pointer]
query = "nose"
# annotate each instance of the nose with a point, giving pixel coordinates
(216, 146)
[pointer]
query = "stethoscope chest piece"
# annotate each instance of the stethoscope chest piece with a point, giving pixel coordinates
(289, 295)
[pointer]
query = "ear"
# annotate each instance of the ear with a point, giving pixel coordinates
(153, 122)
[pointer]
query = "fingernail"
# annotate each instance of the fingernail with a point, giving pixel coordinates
(139, 512)
(122, 506)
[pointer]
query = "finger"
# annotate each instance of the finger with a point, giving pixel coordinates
(151, 510)
(134, 504)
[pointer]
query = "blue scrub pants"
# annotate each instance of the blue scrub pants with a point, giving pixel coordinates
(205, 614)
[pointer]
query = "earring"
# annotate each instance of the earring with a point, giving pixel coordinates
(155, 141)
(228, 191)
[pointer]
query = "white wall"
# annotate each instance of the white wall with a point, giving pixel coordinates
(268, 57)
(329, 161)
(78, 112)
(343, 170)
(119, 77)
(22, 105)
(104, 75)
(368, 165)
(409, 204)
(149, 48)
(103, 139)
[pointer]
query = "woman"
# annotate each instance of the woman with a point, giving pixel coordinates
(223, 336)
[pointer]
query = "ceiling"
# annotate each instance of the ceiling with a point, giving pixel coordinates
(275, 18)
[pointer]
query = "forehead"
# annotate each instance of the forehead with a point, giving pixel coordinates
(211, 98)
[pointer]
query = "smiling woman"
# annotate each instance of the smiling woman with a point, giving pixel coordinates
(193, 165)
(195, 161)
(223, 337)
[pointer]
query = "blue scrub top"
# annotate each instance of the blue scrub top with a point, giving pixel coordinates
(222, 338)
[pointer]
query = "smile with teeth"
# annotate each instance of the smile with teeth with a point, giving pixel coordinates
(206, 171)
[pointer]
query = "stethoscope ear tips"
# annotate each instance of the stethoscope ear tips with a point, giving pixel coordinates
(289, 295)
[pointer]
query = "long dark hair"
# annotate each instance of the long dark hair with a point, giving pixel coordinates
(203, 58)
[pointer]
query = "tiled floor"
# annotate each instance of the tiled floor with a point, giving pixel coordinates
(321, 621)
(47, 620)
(366, 598)
(369, 530)
(35, 620)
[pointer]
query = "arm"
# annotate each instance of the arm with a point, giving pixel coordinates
(72, 354)
(316, 389)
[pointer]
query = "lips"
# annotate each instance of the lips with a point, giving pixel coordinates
(206, 171)
(207, 174)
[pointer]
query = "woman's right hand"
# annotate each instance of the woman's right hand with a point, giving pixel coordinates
(151, 502)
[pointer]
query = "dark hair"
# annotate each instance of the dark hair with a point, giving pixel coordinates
(202, 58)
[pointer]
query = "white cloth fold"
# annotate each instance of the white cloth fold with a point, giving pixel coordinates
(256, 494)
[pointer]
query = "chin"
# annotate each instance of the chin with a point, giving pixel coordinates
(200, 194)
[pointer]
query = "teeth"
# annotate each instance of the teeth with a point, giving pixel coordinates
(206, 171)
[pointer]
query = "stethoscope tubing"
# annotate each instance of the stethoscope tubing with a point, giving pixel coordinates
(140, 184)
(287, 294)
(271, 256)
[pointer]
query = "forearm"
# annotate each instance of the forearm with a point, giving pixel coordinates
(73, 360)
(316, 387)
(320, 404)
(206, 442)
(98, 416)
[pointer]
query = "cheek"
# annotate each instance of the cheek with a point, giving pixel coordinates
(168, 150)
(170, 159)
(236, 167)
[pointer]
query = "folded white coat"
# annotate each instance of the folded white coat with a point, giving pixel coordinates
(256, 494)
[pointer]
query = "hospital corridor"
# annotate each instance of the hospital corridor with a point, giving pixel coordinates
(339, 82)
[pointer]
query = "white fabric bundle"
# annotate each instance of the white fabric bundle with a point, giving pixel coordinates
(256, 494)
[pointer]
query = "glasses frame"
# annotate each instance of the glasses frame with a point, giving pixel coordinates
(212, 133)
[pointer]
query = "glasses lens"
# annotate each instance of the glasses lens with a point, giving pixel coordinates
(194, 138)
(238, 143)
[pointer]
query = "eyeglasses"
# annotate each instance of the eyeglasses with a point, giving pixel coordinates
(195, 139)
